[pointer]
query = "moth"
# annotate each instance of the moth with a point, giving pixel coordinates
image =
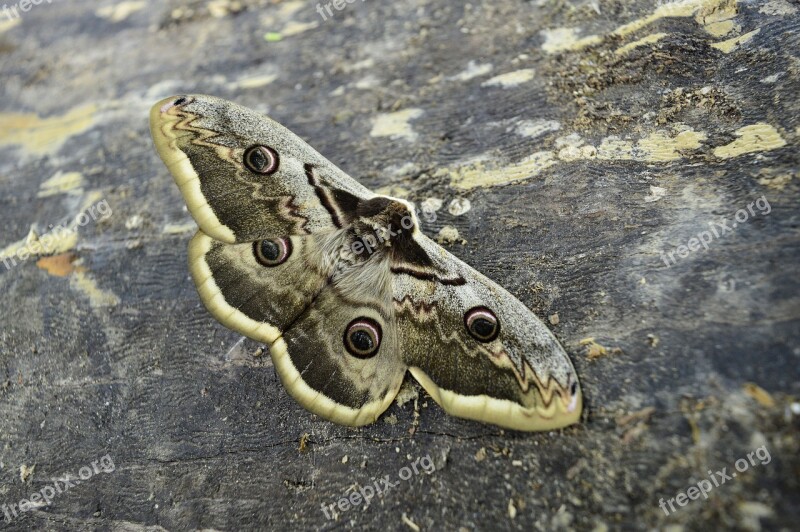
(342, 284)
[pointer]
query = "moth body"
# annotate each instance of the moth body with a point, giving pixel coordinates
(344, 286)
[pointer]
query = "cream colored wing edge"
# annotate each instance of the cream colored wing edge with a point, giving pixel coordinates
(502, 412)
(319, 404)
(185, 176)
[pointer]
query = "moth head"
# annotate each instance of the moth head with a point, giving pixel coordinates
(386, 226)
(388, 214)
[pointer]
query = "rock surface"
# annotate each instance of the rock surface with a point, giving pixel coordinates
(596, 143)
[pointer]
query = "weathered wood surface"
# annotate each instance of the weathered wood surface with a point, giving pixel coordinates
(617, 131)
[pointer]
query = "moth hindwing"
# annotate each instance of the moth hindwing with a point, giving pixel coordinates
(343, 285)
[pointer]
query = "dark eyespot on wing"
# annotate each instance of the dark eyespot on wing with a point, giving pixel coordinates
(362, 337)
(482, 324)
(261, 160)
(271, 253)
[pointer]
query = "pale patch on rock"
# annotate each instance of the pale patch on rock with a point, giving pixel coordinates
(179, 228)
(395, 191)
(718, 20)
(44, 135)
(431, 204)
(396, 125)
(732, 44)
(447, 235)
(254, 82)
(650, 39)
(511, 79)
(663, 146)
(6, 25)
(656, 193)
(98, 297)
(771, 79)
(566, 39)
(295, 28)
(754, 138)
(714, 15)
(62, 183)
(473, 70)
(134, 222)
(573, 140)
(120, 11)
(459, 206)
(367, 82)
(536, 128)
(477, 175)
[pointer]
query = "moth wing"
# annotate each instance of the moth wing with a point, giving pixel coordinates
(317, 368)
(212, 146)
(255, 300)
(522, 379)
(302, 307)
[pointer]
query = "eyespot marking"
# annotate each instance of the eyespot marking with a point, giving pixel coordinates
(362, 337)
(482, 324)
(261, 160)
(272, 253)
